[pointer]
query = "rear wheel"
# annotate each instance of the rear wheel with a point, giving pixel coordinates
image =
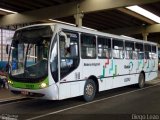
(89, 90)
(141, 81)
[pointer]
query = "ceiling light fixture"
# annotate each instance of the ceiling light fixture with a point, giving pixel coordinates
(144, 13)
(9, 11)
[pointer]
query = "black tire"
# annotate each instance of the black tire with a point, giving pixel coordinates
(141, 81)
(89, 90)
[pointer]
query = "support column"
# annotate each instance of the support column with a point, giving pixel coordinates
(145, 35)
(78, 17)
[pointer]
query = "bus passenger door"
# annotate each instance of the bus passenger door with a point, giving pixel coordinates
(69, 64)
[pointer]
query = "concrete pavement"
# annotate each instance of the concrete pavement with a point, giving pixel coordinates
(126, 103)
(6, 95)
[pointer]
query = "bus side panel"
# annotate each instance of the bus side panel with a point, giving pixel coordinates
(153, 76)
(150, 69)
(133, 72)
(105, 81)
(105, 84)
(64, 90)
(147, 69)
(95, 67)
(71, 89)
(72, 85)
(124, 72)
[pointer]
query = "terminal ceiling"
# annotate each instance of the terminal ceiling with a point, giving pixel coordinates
(113, 20)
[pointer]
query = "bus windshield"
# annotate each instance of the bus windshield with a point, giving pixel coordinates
(29, 52)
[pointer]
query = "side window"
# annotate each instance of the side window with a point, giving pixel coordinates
(129, 48)
(139, 50)
(147, 51)
(88, 46)
(104, 47)
(118, 48)
(69, 54)
(154, 51)
(69, 47)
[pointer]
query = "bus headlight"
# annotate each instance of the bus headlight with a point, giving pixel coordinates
(43, 85)
(10, 82)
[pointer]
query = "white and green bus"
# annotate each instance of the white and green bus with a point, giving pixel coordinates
(56, 61)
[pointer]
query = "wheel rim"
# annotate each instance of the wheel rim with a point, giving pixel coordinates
(89, 90)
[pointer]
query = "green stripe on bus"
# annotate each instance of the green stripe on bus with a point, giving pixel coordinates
(29, 85)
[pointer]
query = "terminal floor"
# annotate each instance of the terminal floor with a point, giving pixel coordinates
(6, 95)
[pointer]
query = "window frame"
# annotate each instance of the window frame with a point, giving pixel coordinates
(119, 40)
(153, 53)
(68, 69)
(133, 49)
(109, 47)
(95, 45)
(140, 51)
(146, 50)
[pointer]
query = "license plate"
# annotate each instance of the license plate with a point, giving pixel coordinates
(24, 92)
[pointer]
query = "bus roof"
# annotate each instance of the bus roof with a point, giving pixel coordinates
(86, 30)
(45, 24)
(104, 34)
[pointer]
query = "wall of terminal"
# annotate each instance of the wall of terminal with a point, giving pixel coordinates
(5, 38)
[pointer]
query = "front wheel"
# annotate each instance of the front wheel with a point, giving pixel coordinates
(141, 81)
(89, 90)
